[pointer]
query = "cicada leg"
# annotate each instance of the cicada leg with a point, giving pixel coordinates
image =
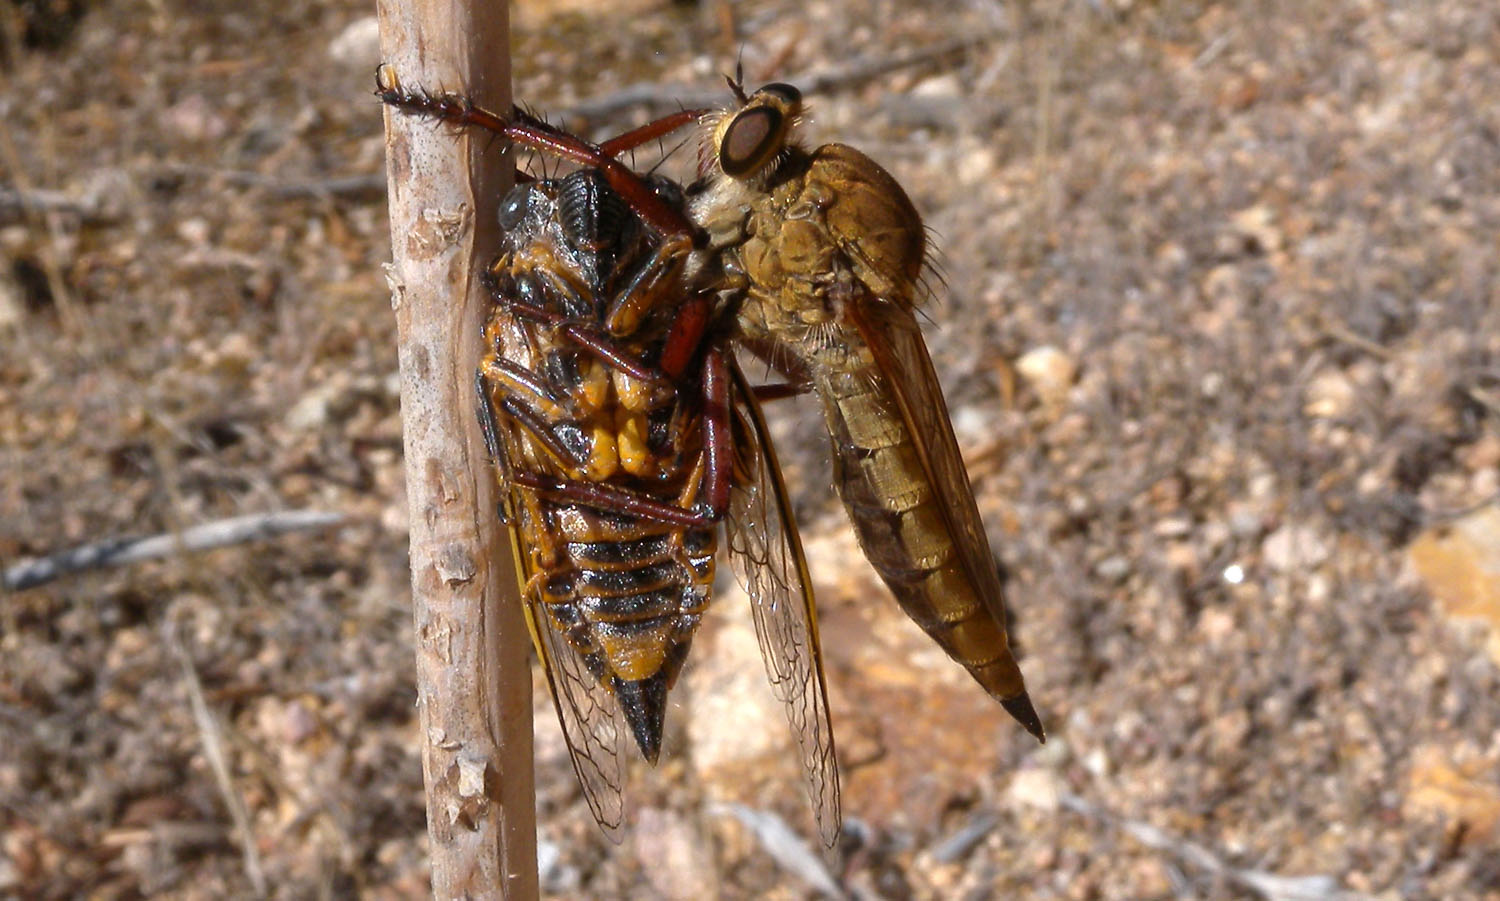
(577, 333)
(591, 494)
(610, 499)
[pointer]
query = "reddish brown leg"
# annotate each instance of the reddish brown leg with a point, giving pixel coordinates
(520, 378)
(686, 332)
(779, 391)
(798, 378)
(612, 500)
(589, 339)
(539, 430)
(718, 446)
(532, 132)
(651, 131)
(591, 494)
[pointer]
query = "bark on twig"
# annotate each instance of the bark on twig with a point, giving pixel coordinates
(473, 676)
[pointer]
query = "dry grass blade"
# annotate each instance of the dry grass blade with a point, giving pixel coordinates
(1267, 885)
(210, 734)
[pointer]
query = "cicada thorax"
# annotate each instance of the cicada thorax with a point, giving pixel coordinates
(623, 585)
(827, 254)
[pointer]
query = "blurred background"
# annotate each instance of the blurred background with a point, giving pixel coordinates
(1221, 338)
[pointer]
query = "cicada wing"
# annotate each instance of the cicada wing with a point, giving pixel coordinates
(767, 556)
(591, 721)
(586, 709)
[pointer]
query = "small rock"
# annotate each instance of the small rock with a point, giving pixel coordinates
(1112, 568)
(674, 855)
(1294, 547)
(194, 230)
(11, 304)
(1049, 372)
(1330, 395)
(1258, 223)
(1460, 563)
(358, 45)
(1035, 788)
(195, 118)
(1463, 793)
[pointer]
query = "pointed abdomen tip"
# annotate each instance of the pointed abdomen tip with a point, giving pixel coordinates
(1025, 714)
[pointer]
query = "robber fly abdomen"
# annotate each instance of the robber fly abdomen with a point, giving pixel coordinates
(826, 253)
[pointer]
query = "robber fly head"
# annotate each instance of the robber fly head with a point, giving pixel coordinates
(748, 143)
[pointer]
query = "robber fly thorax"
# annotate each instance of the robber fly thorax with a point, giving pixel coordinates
(825, 254)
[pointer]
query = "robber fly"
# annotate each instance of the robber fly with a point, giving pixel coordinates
(623, 433)
(827, 255)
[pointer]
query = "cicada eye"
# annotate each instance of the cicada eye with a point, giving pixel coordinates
(668, 190)
(513, 208)
(751, 140)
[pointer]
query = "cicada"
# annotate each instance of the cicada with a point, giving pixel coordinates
(826, 255)
(624, 434)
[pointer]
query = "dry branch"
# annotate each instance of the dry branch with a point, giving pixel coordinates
(657, 98)
(1266, 885)
(473, 676)
(120, 551)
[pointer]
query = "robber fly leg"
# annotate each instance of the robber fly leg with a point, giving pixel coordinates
(685, 335)
(529, 131)
(651, 131)
(798, 377)
(718, 443)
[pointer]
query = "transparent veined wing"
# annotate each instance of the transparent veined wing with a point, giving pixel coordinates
(767, 556)
(591, 721)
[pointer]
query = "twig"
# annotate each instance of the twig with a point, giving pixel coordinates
(369, 185)
(786, 847)
(657, 97)
(1266, 885)
(1342, 333)
(1336, 330)
(121, 551)
(17, 204)
(472, 647)
(211, 735)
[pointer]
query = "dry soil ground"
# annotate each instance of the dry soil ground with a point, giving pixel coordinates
(1221, 334)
